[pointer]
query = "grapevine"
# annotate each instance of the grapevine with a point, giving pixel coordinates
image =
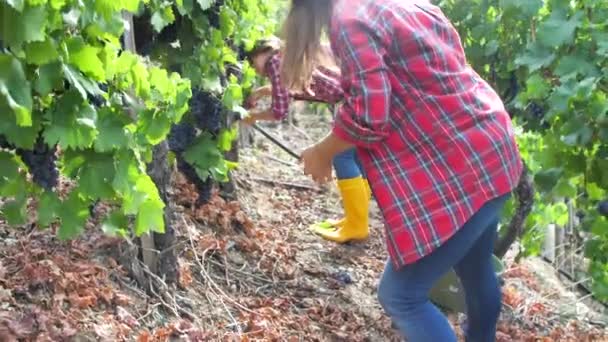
(549, 60)
(76, 105)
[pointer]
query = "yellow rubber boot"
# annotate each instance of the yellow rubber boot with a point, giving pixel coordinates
(335, 224)
(355, 198)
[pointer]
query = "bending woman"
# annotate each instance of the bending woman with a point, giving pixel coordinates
(265, 57)
(435, 143)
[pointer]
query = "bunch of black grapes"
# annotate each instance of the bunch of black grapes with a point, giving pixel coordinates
(41, 161)
(213, 13)
(182, 135)
(206, 113)
(206, 110)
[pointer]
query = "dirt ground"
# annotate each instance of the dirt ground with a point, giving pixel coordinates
(250, 271)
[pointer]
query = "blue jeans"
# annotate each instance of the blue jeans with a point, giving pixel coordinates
(347, 165)
(403, 293)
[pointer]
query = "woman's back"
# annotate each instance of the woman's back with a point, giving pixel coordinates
(417, 107)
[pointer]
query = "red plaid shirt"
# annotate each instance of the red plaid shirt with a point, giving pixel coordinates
(325, 87)
(434, 138)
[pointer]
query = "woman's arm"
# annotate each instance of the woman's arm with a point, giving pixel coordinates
(364, 117)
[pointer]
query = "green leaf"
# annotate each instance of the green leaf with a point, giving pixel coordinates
(82, 84)
(150, 217)
(547, 179)
(537, 87)
(12, 180)
(112, 131)
(203, 155)
(16, 4)
(50, 77)
(205, 4)
(48, 207)
(115, 224)
(565, 189)
(40, 53)
(15, 210)
(96, 176)
(162, 18)
(576, 132)
(73, 213)
(600, 227)
(17, 28)
(85, 57)
(573, 65)
(15, 90)
(73, 122)
(535, 57)
(225, 139)
(558, 29)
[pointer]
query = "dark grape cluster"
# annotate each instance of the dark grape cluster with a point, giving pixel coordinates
(234, 70)
(181, 136)
(203, 187)
(602, 208)
(98, 100)
(207, 111)
(213, 14)
(537, 111)
(41, 162)
(169, 33)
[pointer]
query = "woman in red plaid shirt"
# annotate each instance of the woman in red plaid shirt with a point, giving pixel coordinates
(435, 142)
(325, 87)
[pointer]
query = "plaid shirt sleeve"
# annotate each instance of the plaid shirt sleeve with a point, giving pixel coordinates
(280, 94)
(363, 118)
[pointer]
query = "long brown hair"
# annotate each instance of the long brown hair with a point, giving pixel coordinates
(306, 22)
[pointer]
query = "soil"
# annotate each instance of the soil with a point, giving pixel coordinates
(249, 271)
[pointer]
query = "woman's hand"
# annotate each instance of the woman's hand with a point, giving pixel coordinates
(250, 119)
(257, 94)
(317, 163)
(317, 159)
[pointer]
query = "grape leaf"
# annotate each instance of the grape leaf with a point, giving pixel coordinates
(50, 77)
(205, 4)
(22, 137)
(535, 57)
(73, 213)
(115, 224)
(85, 57)
(17, 28)
(15, 210)
(150, 217)
(537, 87)
(16, 4)
(48, 206)
(15, 90)
(558, 29)
(162, 18)
(573, 65)
(82, 84)
(41, 52)
(73, 122)
(96, 175)
(112, 131)
(547, 179)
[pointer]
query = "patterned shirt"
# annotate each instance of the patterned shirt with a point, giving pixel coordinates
(325, 87)
(435, 140)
